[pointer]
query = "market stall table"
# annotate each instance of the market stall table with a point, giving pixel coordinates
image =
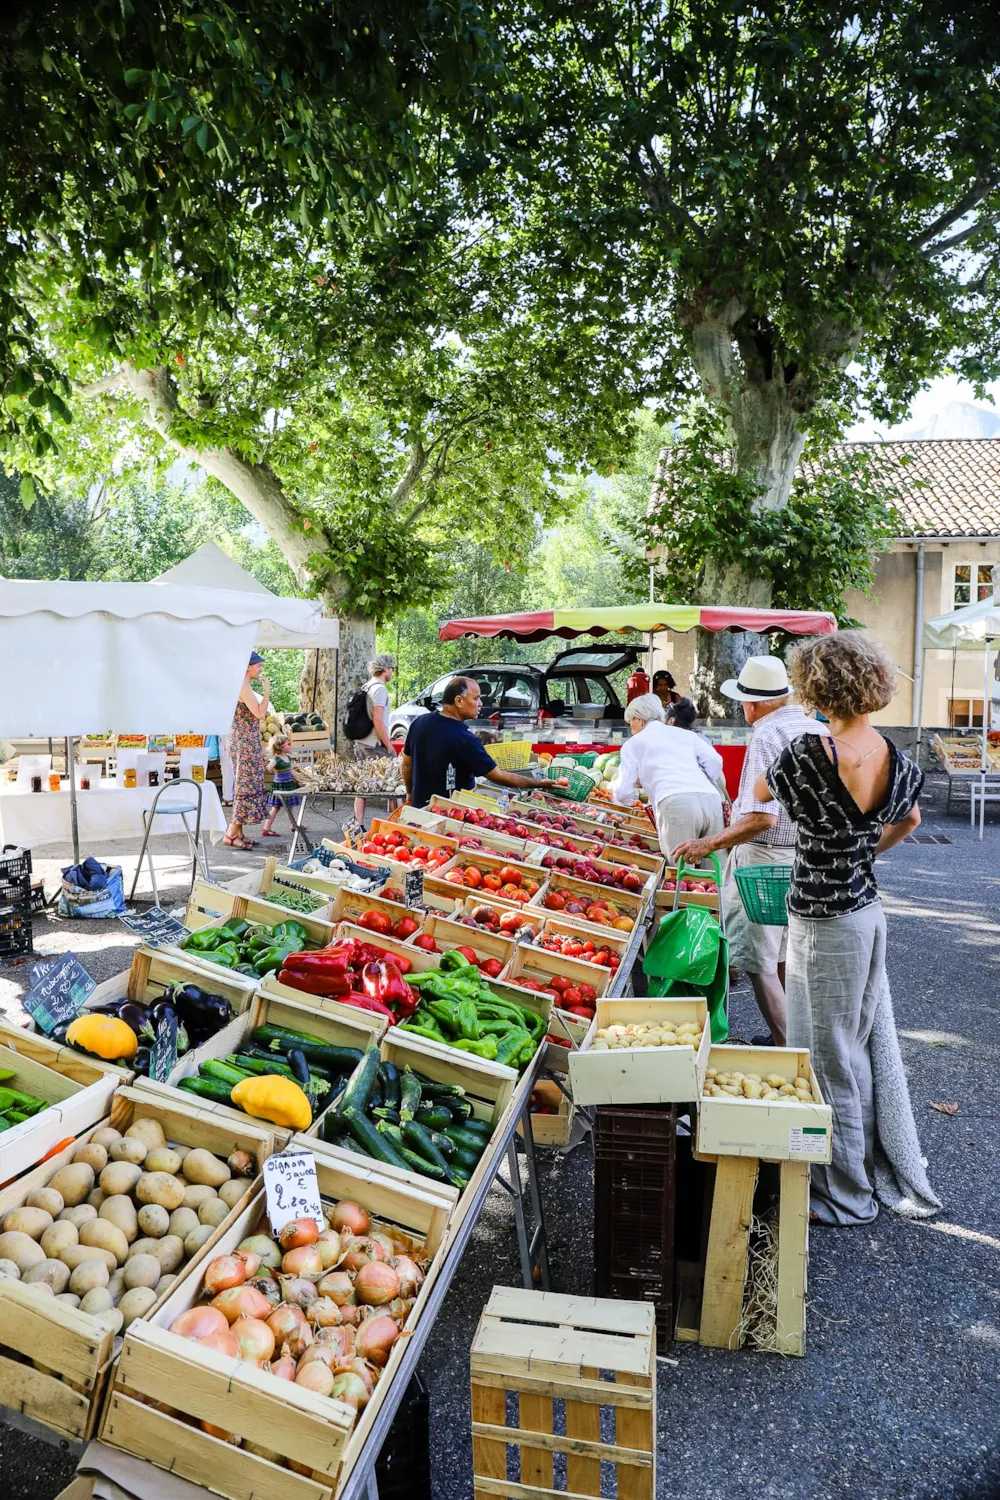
(105, 813)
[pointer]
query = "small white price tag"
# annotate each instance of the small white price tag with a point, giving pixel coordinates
(292, 1189)
(807, 1140)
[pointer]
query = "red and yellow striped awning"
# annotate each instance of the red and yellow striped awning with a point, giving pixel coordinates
(570, 623)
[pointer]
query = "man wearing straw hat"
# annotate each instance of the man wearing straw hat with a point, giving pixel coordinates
(761, 833)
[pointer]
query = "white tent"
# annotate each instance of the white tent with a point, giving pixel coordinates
(963, 629)
(210, 567)
(82, 657)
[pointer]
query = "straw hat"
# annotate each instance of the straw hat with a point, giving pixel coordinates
(761, 678)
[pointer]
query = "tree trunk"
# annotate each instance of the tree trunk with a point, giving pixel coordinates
(330, 677)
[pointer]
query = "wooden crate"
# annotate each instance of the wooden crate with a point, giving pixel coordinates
(154, 970)
(642, 1075)
(776, 1130)
(425, 836)
(545, 1347)
(564, 1026)
(587, 891)
(610, 937)
(212, 905)
(350, 905)
(532, 916)
(397, 868)
(348, 1028)
(418, 960)
(450, 934)
(78, 1097)
(55, 1360)
(490, 864)
(274, 874)
(542, 964)
(641, 859)
(418, 817)
(547, 1129)
(665, 899)
(608, 865)
(310, 739)
(195, 1384)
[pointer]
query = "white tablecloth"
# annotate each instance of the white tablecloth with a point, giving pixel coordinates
(106, 812)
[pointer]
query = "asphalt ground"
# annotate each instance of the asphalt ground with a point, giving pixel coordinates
(897, 1397)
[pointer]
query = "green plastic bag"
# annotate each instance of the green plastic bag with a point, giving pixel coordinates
(690, 956)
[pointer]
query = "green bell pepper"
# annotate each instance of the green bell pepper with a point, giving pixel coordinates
(272, 958)
(454, 963)
(205, 939)
(445, 1013)
(510, 1047)
(291, 932)
(431, 1033)
(235, 928)
(227, 954)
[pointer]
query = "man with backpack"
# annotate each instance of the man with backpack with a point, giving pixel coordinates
(366, 720)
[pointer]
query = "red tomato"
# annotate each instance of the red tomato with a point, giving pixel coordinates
(572, 949)
(376, 921)
(587, 993)
(492, 967)
(405, 928)
(570, 995)
(509, 876)
(470, 954)
(427, 943)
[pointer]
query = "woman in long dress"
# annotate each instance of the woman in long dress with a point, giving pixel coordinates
(249, 796)
(852, 795)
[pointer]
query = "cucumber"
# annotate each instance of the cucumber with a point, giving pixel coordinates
(372, 1140)
(391, 1087)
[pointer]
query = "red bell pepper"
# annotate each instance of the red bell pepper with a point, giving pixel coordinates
(368, 1002)
(320, 961)
(331, 985)
(383, 955)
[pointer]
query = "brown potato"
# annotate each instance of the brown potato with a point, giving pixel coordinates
(148, 1131)
(232, 1191)
(88, 1275)
(19, 1247)
(53, 1272)
(194, 1241)
(30, 1221)
(197, 1193)
(77, 1254)
(169, 1252)
(46, 1198)
(9, 1271)
(162, 1188)
(154, 1220)
(59, 1237)
(96, 1198)
(164, 1284)
(142, 1270)
(80, 1215)
(128, 1149)
(98, 1299)
(96, 1157)
(202, 1167)
(73, 1183)
(70, 1299)
(162, 1159)
(116, 1286)
(213, 1211)
(135, 1304)
(120, 1211)
(104, 1235)
(183, 1220)
(105, 1136)
(111, 1319)
(120, 1177)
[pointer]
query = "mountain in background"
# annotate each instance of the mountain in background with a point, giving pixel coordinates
(958, 419)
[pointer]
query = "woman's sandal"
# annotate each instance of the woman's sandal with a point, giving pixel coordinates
(239, 843)
(269, 833)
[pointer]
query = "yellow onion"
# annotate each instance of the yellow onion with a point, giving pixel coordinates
(255, 1339)
(268, 1287)
(363, 1369)
(324, 1313)
(376, 1283)
(385, 1240)
(340, 1339)
(350, 1388)
(298, 1289)
(250, 1259)
(199, 1321)
(330, 1248)
(220, 1432)
(409, 1273)
(376, 1338)
(223, 1272)
(304, 1260)
(284, 1368)
(285, 1320)
(338, 1285)
(350, 1313)
(399, 1308)
(222, 1343)
(315, 1377)
(326, 1355)
(350, 1216)
(241, 1163)
(360, 1252)
(264, 1247)
(242, 1302)
(298, 1232)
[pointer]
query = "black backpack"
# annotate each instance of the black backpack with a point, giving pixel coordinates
(357, 722)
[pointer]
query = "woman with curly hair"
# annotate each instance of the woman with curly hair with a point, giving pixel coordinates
(853, 796)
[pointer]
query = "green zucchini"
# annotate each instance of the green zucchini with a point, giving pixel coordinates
(472, 1126)
(391, 1087)
(358, 1089)
(207, 1088)
(464, 1161)
(372, 1140)
(465, 1140)
(418, 1138)
(434, 1117)
(460, 1108)
(433, 1090)
(222, 1072)
(409, 1094)
(414, 1160)
(317, 1052)
(444, 1145)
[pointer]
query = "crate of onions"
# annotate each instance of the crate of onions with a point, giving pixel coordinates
(266, 1367)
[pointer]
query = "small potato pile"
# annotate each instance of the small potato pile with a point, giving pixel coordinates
(772, 1089)
(109, 1232)
(647, 1034)
(321, 1309)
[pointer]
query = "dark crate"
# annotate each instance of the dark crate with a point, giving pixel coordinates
(15, 865)
(403, 1468)
(15, 933)
(16, 893)
(635, 1207)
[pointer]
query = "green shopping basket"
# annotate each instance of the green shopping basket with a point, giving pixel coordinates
(763, 890)
(586, 758)
(580, 785)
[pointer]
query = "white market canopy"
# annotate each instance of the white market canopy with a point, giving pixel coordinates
(965, 629)
(210, 567)
(82, 658)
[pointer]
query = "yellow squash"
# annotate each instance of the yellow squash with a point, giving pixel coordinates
(104, 1036)
(275, 1098)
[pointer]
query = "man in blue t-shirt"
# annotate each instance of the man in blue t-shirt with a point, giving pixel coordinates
(442, 756)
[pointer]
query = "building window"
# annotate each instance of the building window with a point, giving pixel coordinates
(965, 713)
(973, 581)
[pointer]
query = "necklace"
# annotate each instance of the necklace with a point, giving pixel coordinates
(858, 763)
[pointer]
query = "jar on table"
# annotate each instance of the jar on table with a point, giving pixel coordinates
(154, 778)
(54, 781)
(36, 783)
(197, 772)
(85, 783)
(130, 777)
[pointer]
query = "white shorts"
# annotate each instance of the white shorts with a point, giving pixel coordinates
(754, 947)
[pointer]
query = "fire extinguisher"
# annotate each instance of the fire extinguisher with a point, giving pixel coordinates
(638, 684)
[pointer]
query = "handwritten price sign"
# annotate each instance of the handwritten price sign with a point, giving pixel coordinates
(292, 1189)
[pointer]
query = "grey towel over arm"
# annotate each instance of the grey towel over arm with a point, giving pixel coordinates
(900, 1165)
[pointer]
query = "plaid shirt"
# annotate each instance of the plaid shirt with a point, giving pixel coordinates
(771, 735)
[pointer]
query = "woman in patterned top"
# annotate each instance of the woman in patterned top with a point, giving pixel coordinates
(853, 796)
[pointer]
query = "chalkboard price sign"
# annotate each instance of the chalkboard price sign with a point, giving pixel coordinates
(163, 1058)
(354, 833)
(292, 1189)
(59, 994)
(156, 927)
(413, 888)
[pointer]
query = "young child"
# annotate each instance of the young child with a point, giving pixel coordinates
(280, 749)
